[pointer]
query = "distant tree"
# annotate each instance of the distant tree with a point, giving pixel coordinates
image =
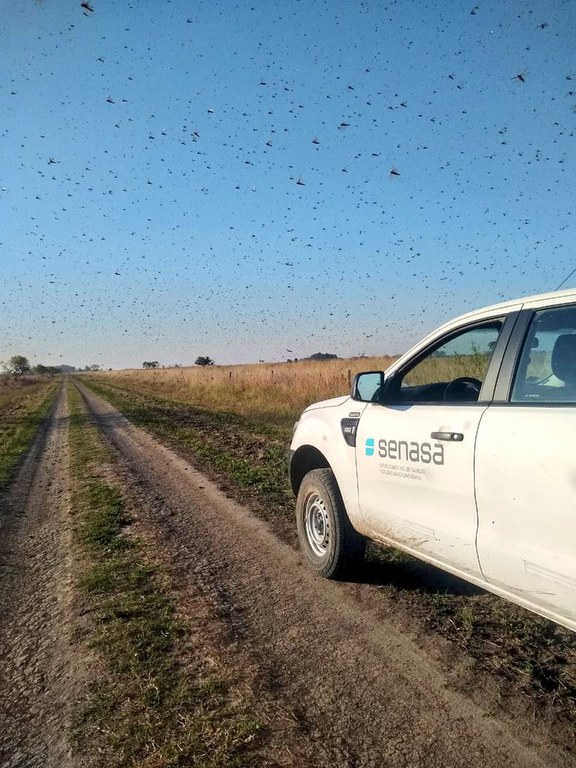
(45, 370)
(203, 360)
(18, 366)
(323, 356)
(150, 364)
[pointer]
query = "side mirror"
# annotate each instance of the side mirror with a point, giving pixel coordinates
(368, 386)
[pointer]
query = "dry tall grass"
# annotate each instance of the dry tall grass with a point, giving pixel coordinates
(16, 391)
(282, 389)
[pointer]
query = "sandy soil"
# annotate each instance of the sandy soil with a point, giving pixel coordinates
(336, 679)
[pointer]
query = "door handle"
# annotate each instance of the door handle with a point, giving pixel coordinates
(451, 437)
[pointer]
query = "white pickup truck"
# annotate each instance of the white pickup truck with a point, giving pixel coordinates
(463, 453)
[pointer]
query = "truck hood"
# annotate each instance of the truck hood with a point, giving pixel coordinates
(334, 402)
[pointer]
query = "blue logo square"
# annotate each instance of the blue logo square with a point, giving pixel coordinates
(369, 446)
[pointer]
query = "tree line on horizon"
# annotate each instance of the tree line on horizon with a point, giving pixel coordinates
(19, 365)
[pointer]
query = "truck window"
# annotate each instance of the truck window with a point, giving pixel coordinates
(546, 371)
(455, 369)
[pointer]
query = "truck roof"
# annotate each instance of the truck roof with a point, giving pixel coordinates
(504, 305)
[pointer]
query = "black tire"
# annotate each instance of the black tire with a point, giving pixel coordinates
(328, 542)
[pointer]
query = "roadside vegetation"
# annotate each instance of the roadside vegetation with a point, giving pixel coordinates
(24, 403)
(245, 451)
(151, 705)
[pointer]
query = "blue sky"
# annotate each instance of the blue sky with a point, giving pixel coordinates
(186, 178)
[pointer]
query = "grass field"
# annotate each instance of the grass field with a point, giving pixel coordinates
(19, 391)
(281, 390)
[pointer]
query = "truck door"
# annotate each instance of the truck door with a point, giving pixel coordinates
(526, 471)
(415, 450)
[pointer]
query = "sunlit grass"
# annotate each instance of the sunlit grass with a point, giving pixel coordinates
(283, 389)
(278, 391)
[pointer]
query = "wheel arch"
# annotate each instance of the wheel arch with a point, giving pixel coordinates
(304, 460)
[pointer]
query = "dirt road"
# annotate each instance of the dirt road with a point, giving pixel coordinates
(337, 682)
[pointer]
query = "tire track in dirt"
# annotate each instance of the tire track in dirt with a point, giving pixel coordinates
(357, 692)
(36, 660)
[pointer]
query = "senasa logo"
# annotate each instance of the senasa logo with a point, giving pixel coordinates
(402, 450)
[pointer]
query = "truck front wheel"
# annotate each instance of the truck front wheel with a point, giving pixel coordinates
(329, 543)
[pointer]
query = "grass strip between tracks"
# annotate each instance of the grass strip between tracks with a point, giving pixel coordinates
(527, 653)
(20, 420)
(145, 709)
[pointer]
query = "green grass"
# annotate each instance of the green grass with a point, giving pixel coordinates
(145, 709)
(20, 419)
